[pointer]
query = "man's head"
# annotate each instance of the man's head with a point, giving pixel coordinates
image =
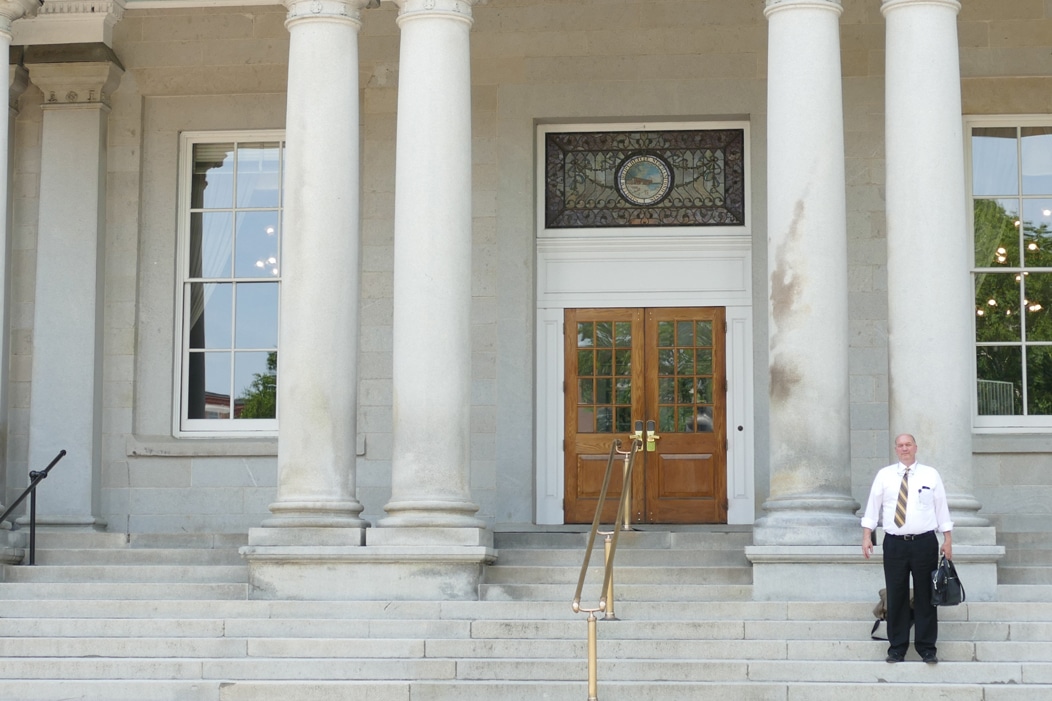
(906, 449)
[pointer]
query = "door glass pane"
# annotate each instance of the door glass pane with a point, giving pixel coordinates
(667, 390)
(624, 391)
(585, 334)
(586, 420)
(666, 419)
(624, 334)
(685, 333)
(704, 334)
(623, 362)
(1000, 380)
(704, 362)
(704, 420)
(685, 391)
(666, 334)
(604, 334)
(585, 363)
(685, 420)
(624, 419)
(685, 361)
(666, 362)
(586, 391)
(604, 362)
(604, 390)
(604, 419)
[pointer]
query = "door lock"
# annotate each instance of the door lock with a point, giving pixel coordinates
(652, 438)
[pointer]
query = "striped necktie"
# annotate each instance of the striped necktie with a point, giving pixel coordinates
(900, 506)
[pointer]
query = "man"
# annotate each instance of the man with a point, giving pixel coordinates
(910, 500)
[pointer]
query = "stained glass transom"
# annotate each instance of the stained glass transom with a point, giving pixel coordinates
(645, 178)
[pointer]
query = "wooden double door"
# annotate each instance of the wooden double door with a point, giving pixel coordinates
(660, 365)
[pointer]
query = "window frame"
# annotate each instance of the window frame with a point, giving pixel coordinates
(182, 425)
(989, 423)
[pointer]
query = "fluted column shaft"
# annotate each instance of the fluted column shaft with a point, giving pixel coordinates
(317, 363)
(930, 341)
(810, 499)
(432, 269)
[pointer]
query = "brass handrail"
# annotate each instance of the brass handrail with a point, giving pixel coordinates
(606, 599)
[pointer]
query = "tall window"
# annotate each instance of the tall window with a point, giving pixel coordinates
(230, 275)
(1012, 223)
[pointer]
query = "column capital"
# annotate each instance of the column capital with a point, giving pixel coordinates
(332, 10)
(887, 6)
(81, 83)
(773, 6)
(449, 9)
(10, 10)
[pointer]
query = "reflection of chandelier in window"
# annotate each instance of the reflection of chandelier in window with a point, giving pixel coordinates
(271, 261)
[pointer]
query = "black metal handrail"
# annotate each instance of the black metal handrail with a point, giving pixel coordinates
(35, 478)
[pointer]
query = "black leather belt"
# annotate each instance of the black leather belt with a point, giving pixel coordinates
(909, 536)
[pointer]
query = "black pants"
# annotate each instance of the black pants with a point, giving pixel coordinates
(903, 559)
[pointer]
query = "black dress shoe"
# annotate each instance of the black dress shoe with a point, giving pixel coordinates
(930, 658)
(892, 657)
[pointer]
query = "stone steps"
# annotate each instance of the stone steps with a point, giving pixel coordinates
(109, 629)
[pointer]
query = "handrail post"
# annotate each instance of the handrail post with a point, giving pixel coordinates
(608, 552)
(627, 498)
(593, 664)
(31, 491)
(33, 527)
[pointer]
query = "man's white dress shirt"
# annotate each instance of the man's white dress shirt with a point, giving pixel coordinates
(926, 508)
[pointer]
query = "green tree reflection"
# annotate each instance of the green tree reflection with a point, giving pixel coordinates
(1012, 307)
(260, 397)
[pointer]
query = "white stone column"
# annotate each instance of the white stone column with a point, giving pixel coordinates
(66, 401)
(810, 502)
(930, 299)
(432, 270)
(317, 360)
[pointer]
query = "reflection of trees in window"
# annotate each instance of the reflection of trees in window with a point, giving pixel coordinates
(260, 397)
(1013, 296)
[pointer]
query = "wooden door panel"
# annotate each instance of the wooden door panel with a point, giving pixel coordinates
(603, 392)
(686, 480)
(661, 365)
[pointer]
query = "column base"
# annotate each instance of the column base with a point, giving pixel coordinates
(809, 519)
(840, 573)
(450, 570)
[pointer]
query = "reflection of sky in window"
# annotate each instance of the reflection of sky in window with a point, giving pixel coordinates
(995, 169)
(1037, 161)
(255, 319)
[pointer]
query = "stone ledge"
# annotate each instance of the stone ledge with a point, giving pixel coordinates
(367, 573)
(840, 573)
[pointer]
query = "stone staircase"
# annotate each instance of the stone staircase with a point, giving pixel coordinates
(167, 618)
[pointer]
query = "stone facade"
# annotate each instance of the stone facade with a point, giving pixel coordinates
(532, 61)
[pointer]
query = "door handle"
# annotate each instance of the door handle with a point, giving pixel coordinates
(652, 438)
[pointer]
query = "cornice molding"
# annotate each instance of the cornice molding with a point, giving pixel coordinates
(70, 21)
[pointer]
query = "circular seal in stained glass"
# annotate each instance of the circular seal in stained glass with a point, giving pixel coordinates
(644, 179)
